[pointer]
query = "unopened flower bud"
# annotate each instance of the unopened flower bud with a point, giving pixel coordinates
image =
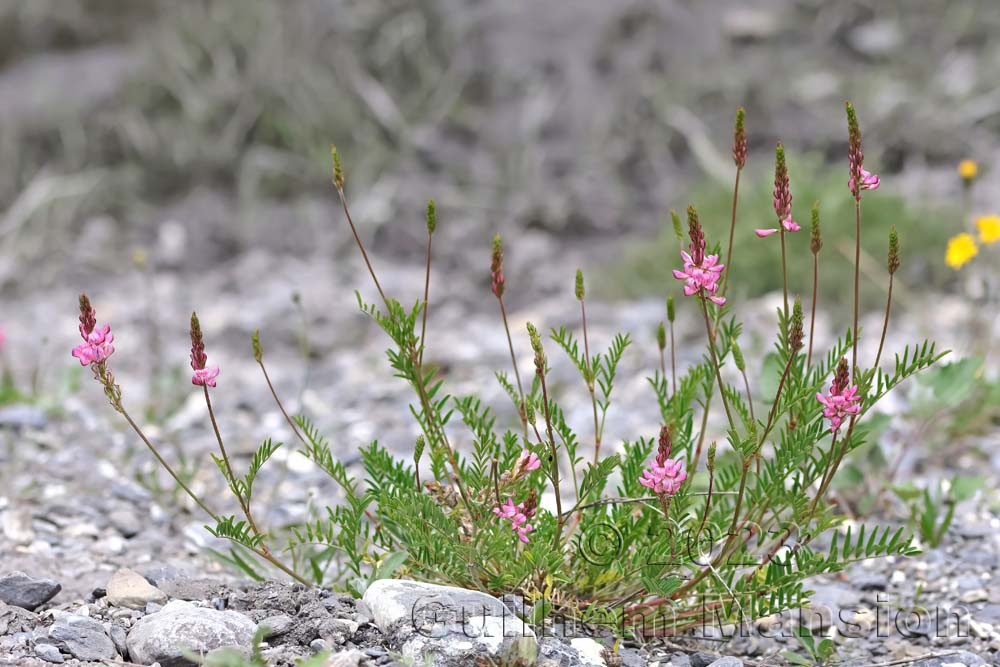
(893, 250)
(738, 357)
(431, 216)
(661, 336)
(258, 351)
(496, 267)
(697, 235)
(579, 285)
(711, 457)
(338, 169)
(676, 220)
(795, 334)
(815, 238)
(664, 445)
(670, 308)
(88, 316)
(418, 447)
(740, 140)
(536, 346)
(198, 356)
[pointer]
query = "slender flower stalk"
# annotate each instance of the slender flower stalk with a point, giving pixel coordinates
(206, 378)
(859, 181)
(419, 379)
(431, 226)
(587, 362)
(540, 368)
(338, 182)
(671, 315)
(497, 282)
(740, 160)
(815, 245)
(795, 336)
(783, 209)
(892, 263)
(661, 344)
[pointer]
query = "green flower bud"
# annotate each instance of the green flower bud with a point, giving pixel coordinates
(338, 169)
(661, 336)
(738, 357)
(258, 351)
(815, 238)
(431, 216)
(579, 285)
(678, 230)
(893, 250)
(670, 308)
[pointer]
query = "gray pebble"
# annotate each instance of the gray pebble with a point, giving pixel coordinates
(49, 653)
(20, 590)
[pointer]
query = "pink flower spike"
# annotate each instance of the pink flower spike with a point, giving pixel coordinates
(840, 404)
(518, 516)
(205, 376)
(790, 225)
(762, 233)
(718, 300)
(869, 181)
(529, 461)
(97, 346)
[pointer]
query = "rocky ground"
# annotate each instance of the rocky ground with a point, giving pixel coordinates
(571, 134)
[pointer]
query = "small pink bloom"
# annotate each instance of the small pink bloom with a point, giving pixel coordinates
(762, 233)
(517, 516)
(665, 475)
(96, 346)
(3, 337)
(839, 404)
(702, 276)
(868, 180)
(529, 461)
(665, 478)
(205, 376)
(790, 225)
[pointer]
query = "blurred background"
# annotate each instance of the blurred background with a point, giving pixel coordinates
(167, 156)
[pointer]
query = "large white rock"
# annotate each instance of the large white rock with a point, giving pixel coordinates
(445, 624)
(180, 626)
(128, 588)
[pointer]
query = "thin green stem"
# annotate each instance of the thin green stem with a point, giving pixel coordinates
(857, 280)
(812, 314)
(522, 409)
(427, 290)
(715, 362)
(885, 325)
(590, 382)
(673, 359)
(361, 246)
(555, 463)
(732, 232)
(784, 268)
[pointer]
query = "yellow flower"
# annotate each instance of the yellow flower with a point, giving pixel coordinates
(989, 229)
(961, 249)
(968, 170)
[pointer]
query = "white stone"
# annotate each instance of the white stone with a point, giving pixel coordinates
(590, 651)
(128, 588)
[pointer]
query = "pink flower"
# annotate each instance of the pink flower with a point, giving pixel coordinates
(528, 461)
(843, 400)
(205, 376)
(702, 276)
(665, 475)
(3, 337)
(761, 233)
(518, 516)
(790, 225)
(868, 180)
(96, 345)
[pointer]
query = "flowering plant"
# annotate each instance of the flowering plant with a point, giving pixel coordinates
(655, 541)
